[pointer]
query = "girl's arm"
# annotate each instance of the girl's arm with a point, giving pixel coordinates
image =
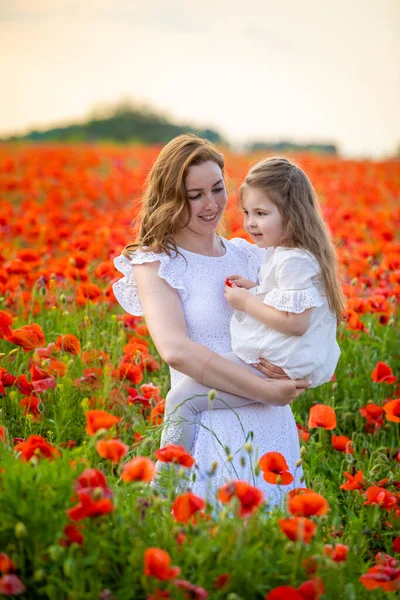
(284, 322)
(166, 322)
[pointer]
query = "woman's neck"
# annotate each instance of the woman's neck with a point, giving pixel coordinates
(200, 244)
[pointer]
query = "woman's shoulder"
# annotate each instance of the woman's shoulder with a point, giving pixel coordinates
(124, 264)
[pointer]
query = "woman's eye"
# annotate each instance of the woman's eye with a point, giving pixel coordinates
(220, 189)
(196, 197)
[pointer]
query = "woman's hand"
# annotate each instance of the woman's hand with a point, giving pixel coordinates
(267, 368)
(236, 297)
(242, 282)
(286, 391)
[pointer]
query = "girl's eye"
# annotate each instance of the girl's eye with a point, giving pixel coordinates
(261, 214)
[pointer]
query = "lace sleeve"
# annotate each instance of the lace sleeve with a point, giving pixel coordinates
(255, 256)
(296, 272)
(125, 289)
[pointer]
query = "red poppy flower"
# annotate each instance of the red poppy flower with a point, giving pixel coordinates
(373, 415)
(175, 454)
(139, 468)
(307, 503)
(298, 528)
(381, 497)
(354, 322)
(228, 282)
(99, 419)
(302, 432)
(311, 589)
(342, 443)
(35, 445)
(27, 337)
(194, 592)
(249, 497)
(274, 465)
(6, 564)
(89, 507)
(30, 404)
(185, 506)
(114, 450)
(11, 585)
(73, 535)
(129, 372)
(157, 563)
(354, 482)
(396, 545)
(392, 410)
(284, 592)
(337, 553)
(380, 576)
(383, 374)
(91, 479)
(5, 322)
(69, 343)
(222, 581)
(322, 415)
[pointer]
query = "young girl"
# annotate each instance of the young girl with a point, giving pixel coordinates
(290, 317)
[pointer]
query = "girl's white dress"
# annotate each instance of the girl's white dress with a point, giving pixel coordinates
(290, 280)
(199, 281)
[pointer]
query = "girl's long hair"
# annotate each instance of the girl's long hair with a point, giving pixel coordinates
(165, 207)
(287, 186)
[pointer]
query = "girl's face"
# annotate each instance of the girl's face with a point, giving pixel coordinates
(206, 194)
(262, 219)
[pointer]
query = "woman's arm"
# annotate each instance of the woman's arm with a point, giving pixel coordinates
(166, 322)
(279, 320)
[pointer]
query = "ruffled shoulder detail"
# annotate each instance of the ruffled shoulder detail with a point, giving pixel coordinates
(255, 255)
(294, 301)
(125, 289)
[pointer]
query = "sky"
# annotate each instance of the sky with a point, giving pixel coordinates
(315, 70)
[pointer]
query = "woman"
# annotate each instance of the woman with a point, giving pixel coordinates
(175, 276)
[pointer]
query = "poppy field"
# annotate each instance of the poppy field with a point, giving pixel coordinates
(82, 399)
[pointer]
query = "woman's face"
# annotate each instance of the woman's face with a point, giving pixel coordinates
(206, 193)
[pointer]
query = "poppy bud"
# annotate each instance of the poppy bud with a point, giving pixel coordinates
(299, 463)
(214, 466)
(248, 447)
(20, 530)
(211, 395)
(303, 451)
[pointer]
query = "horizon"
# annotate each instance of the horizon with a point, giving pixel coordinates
(251, 74)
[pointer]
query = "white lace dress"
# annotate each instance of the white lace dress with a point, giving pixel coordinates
(199, 281)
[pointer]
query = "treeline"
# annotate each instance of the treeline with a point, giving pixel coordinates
(130, 123)
(286, 146)
(123, 124)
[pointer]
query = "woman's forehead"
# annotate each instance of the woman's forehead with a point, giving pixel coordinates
(203, 175)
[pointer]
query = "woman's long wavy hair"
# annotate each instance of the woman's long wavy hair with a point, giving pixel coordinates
(289, 188)
(165, 207)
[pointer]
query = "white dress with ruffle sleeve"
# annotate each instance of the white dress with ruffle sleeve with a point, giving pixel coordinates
(290, 281)
(199, 281)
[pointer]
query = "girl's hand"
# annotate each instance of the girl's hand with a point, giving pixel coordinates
(287, 390)
(267, 368)
(236, 297)
(242, 282)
